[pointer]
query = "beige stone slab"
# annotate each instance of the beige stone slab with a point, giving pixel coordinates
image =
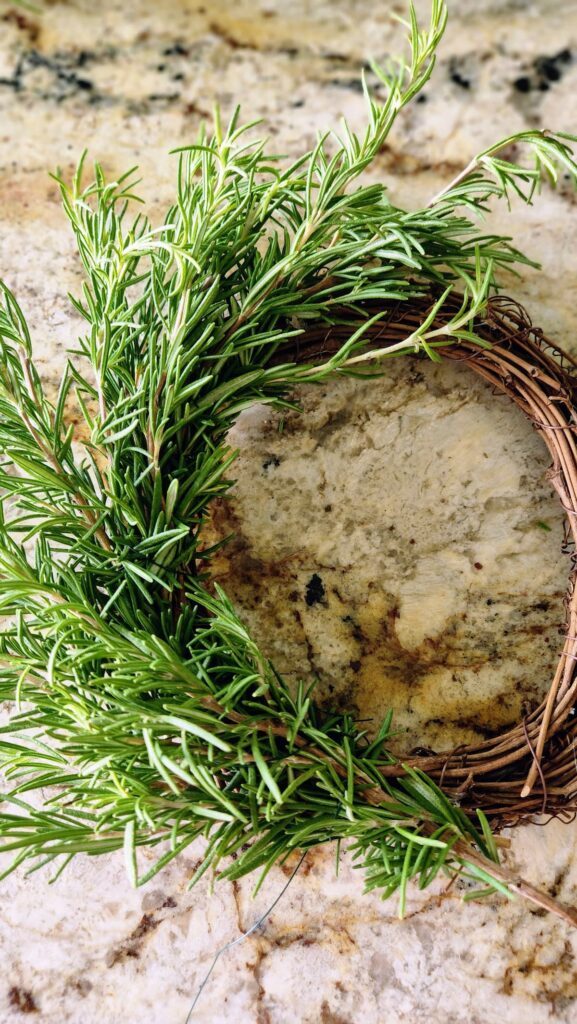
(129, 82)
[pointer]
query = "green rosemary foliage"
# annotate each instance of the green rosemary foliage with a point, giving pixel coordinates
(144, 708)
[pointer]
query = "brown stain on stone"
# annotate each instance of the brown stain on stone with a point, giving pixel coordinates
(81, 986)
(23, 22)
(329, 1016)
(412, 678)
(131, 947)
(555, 983)
(22, 1000)
(262, 1014)
(308, 864)
(379, 671)
(233, 35)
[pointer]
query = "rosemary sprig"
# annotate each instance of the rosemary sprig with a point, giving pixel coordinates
(144, 706)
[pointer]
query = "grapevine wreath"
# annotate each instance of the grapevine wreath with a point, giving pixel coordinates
(146, 715)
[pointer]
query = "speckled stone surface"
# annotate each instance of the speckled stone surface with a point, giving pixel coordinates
(397, 539)
(403, 546)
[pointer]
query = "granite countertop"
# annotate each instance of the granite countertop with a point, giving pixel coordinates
(358, 562)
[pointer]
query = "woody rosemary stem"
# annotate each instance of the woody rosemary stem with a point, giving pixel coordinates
(518, 885)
